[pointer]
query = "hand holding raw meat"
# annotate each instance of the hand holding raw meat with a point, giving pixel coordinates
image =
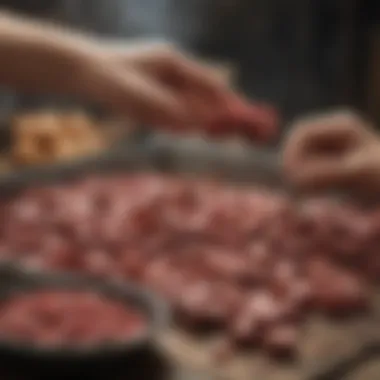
(256, 122)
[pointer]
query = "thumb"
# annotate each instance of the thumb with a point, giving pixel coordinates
(324, 173)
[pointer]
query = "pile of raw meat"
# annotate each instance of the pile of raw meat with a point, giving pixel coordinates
(245, 260)
(56, 318)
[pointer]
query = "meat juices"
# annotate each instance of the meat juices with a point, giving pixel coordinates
(67, 318)
(244, 260)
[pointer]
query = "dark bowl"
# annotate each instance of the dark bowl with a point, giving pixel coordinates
(136, 355)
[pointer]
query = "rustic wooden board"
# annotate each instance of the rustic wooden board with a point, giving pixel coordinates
(321, 342)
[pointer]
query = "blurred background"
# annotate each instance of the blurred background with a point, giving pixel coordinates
(300, 55)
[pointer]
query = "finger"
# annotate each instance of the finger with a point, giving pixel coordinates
(139, 98)
(200, 88)
(196, 75)
(333, 127)
(321, 174)
(334, 133)
(167, 61)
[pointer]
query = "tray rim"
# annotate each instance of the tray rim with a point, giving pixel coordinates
(252, 166)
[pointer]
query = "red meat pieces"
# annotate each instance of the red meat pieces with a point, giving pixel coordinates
(256, 122)
(68, 318)
(244, 260)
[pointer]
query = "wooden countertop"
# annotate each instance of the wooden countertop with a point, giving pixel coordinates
(321, 343)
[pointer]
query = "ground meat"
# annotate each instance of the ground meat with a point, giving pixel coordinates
(245, 260)
(68, 318)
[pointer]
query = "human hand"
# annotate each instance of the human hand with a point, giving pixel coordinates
(153, 83)
(338, 150)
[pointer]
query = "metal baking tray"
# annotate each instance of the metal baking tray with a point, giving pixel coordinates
(185, 157)
(248, 166)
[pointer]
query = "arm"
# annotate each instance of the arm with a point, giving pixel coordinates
(38, 57)
(148, 85)
(41, 57)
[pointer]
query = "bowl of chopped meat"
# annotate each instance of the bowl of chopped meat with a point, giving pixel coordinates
(64, 322)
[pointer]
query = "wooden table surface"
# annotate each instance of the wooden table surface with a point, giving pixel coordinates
(321, 342)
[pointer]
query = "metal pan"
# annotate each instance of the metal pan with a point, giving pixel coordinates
(137, 354)
(242, 166)
(252, 166)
